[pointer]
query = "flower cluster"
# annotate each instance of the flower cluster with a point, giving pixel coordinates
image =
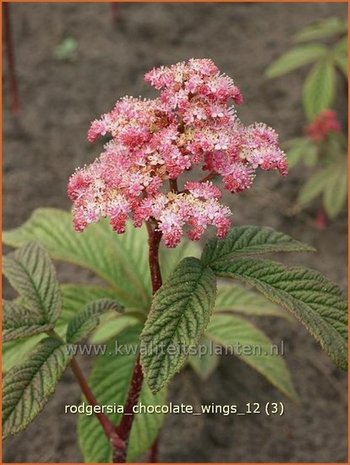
(191, 124)
(324, 124)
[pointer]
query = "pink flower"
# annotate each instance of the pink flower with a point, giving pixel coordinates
(325, 123)
(154, 142)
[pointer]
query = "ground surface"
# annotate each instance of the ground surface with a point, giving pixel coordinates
(44, 144)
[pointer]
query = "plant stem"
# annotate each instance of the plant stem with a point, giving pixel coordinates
(154, 238)
(173, 185)
(124, 428)
(115, 8)
(153, 453)
(106, 424)
(211, 175)
(13, 88)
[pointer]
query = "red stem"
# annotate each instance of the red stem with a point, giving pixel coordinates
(13, 88)
(124, 428)
(153, 453)
(173, 185)
(106, 424)
(115, 8)
(211, 175)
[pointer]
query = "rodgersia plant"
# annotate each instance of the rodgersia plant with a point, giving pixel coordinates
(324, 147)
(140, 184)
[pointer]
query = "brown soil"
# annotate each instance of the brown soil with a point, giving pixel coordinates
(46, 142)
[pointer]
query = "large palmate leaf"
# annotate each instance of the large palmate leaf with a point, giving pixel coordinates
(27, 388)
(121, 260)
(254, 347)
(315, 301)
(335, 190)
(20, 322)
(30, 271)
(248, 240)
(319, 88)
(109, 380)
(295, 58)
(85, 321)
(237, 299)
(179, 314)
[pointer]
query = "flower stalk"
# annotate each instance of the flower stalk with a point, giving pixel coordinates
(124, 428)
(13, 87)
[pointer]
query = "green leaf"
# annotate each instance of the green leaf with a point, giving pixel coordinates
(304, 150)
(146, 427)
(295, 155)
(170, 258)
(76, 296)
(178, 317)
(342, 62)
(30, 271)
(121, 260)
(66, 50)
(315, 301)
(295, 58)
(322, 29)
(20, 322)
(109, 380)
(253, 347)
(247, 240)
(341, 46)
(15, 352)
(295, 142)
(237, 299)
(27, 387)
(111, 327)
(88, 319)
(335, 191)
(204, 364)
(313, 187)
(311, 155)
(319, 88)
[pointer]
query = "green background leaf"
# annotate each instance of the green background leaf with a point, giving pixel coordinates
(204, 364)
(335, 190)
(319, 88)
(85, 321)
(238, 299)
(322, 29)
(295, 58)
(121, 260)
(109, 380)
(253, 347)
(313, 187)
